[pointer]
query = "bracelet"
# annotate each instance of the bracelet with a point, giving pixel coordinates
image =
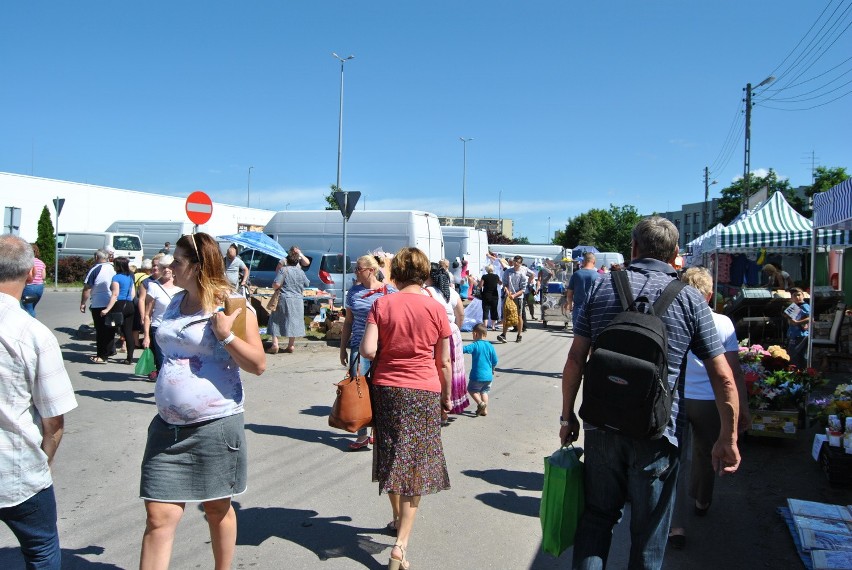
(564, 423)
(227, 340)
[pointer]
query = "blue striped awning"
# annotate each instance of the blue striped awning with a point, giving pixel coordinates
(776, 226)
(833, 208)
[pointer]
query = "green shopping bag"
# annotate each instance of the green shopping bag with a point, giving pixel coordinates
(562, 499)
(145, 365)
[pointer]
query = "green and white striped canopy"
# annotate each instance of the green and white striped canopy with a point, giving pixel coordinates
(776, 227)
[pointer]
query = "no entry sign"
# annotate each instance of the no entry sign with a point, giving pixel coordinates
(199, 208)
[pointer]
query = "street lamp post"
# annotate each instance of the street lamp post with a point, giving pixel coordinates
(342, 61)
(248, 188)
(464, 175)
(747, 166)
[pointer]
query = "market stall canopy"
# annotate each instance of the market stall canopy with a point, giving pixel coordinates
(775, 226)
(258, 241)
(833, 208)
(581, 250)
(696, 246)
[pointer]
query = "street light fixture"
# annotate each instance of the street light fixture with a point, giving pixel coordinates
(464, 175)
(747, 166)
(342, 61)
(248, 188)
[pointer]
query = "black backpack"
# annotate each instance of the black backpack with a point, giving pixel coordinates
(626, 385)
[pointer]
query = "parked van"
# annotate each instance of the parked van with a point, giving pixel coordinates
(153, 233)
(469, 244)
(607, 258)
(366, 231)
(85, 245)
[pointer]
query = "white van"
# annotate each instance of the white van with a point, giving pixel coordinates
(608, 258)
(366, 231)
(153, 233)
(82, 244)
(467, 243)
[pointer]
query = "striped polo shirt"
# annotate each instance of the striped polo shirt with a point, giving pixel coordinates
(689, 323)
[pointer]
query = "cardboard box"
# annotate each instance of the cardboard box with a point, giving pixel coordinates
(774, 423)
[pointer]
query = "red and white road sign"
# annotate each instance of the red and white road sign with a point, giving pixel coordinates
(199, 207)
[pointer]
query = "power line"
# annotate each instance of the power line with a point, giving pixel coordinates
(731, 140)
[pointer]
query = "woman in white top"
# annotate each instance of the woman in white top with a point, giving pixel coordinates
(158, 295)
(439, 288)
(703, 425)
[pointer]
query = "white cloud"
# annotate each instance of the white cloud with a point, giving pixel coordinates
(683, 143)
(761, 173)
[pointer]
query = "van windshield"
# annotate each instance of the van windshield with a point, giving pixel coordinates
(126, 243)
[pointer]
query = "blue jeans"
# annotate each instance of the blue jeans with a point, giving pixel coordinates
(35, 290)
(617, 468)
(33, 522)
(363, 367)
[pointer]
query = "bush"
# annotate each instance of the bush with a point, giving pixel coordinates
(74, 268)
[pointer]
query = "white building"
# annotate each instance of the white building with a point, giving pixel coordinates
(90, 208)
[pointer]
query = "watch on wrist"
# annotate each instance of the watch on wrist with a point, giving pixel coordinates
(565, 423)
(227, 340)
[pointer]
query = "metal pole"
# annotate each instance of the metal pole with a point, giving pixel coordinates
(343, 261)
(56, 247)
(248, 188)
(747, 165)
(342, 61)
(464, 175)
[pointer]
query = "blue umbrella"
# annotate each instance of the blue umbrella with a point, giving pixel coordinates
(258, 241)
(581, 250)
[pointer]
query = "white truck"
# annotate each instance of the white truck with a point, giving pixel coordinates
(467, 243)
(366, 231)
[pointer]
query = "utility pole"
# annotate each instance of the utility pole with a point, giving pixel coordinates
(706, 221)
(747, 165)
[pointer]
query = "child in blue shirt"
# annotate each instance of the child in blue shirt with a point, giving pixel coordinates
(482, 370)
(797, 332)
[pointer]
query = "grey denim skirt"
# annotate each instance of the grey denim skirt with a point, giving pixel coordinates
(196, 462)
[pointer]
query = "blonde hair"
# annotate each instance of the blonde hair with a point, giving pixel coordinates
(213, 286)
(700, 278)
(370, 261)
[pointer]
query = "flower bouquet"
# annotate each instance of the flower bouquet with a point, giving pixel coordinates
(839, 403)
(786, 389)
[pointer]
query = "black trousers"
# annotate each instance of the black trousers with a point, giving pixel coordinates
(104, 335)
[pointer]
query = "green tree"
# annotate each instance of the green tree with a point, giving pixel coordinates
(732, 196)
(522, 240)
(331, 203)
(46, 240)
(825, 178)
(607, 230)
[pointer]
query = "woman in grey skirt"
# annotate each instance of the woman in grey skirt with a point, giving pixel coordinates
(288, 319)
(196, 451)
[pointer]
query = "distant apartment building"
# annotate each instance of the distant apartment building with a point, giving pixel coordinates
(502, 226)
(694, 219)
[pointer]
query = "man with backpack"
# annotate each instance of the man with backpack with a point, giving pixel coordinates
(630, 341)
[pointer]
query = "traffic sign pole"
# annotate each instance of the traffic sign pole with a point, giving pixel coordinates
(57, 206)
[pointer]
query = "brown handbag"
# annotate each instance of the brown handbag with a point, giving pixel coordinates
(272, 304)
(352, 409)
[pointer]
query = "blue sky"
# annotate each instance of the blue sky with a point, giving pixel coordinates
(572, 105)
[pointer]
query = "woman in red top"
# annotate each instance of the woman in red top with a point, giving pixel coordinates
(407, 338)
(35, 289)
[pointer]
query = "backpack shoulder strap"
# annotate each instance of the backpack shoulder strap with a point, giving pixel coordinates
(622, 286)
(667, 296)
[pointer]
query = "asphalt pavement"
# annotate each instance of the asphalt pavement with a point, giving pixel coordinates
(310, 502)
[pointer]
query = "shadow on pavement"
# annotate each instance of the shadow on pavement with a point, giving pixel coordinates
(72, 559)
(524, 480)
(527, 372)
(336, 440)
(324, 536)
(318, 411)
(511, 502)
(118, 396)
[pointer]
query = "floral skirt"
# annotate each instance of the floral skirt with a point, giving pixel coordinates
(458, 394)
(408, 457)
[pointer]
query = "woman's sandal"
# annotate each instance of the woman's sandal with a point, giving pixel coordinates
(391, 528)
(397, 563)
(97, 360)
(272, 350)
(127, 361)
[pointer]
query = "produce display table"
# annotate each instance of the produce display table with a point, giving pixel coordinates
(314, 300)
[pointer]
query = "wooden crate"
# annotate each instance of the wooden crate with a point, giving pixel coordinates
(837, 465)
(774, 423)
